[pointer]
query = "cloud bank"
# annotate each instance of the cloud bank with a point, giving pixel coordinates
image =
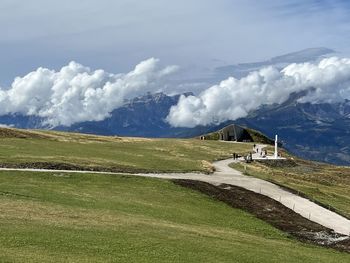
(76, 93)
(326, 81)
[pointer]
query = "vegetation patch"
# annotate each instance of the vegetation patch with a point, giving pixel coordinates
(258, 137)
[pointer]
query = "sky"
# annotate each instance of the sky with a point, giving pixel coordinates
(71, 61)
(115, 35)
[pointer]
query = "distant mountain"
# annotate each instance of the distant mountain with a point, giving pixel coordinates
(313, 131)
(306, 55)
(21, 121)
(143, 117)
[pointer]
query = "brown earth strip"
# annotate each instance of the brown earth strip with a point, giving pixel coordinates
(20, 134)
(301, 194)
(71, 167)
(93, 168)
(271, 212)
(292, 163)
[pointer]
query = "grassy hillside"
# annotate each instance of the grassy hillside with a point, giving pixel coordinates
(53, 217)
(324, 183)
(257, 136)
(42, 149)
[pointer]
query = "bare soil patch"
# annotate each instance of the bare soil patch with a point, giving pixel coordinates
(71, 167)
(278, 163)
(59, 166)
(273, 213)
(20, 134)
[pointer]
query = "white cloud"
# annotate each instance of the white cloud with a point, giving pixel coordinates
(235, 98)
(190, 33)
(6, 126)
(76, 93)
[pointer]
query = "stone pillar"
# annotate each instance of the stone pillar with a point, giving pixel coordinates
(276, 147)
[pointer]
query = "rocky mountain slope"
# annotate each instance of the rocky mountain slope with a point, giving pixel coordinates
(313, 131)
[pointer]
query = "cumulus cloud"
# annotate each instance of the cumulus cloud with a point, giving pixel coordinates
(76, 93)
(326, 81)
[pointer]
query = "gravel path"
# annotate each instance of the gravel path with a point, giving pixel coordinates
(226, 175)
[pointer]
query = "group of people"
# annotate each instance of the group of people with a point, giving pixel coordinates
(249, 157)
(263, 153)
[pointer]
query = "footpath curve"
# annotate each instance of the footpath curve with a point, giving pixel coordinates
(306, 208)
(227, 175)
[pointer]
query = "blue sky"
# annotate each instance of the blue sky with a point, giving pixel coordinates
(312, 6)
(117, 34)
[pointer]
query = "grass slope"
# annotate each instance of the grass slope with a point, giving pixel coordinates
(99, 218)
(42, 149)
(324, 183)
(257, 136)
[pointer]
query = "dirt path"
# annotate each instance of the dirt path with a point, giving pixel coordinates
(226, 175)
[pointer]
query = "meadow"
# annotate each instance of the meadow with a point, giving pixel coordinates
(55, 217)
(43, 149)
(72, 217)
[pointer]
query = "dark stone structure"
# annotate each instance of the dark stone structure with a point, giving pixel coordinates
(235, 133)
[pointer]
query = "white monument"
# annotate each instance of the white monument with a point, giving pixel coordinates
(276, 147)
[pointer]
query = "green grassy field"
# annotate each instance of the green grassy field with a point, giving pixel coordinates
(54, 217)
(113, 153)
(324, 183)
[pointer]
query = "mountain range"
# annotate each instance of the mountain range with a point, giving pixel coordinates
(313, 131)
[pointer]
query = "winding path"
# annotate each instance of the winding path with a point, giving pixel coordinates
(226, 175)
